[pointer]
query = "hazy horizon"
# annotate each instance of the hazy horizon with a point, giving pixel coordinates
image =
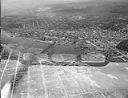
(14, 6)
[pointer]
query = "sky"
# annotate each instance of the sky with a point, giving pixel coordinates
(14, 3)
(47, 1)
(11, 5)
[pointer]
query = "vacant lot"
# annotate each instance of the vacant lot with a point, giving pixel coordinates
(43, 81)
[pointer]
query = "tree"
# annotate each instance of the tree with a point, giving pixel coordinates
(123, 45)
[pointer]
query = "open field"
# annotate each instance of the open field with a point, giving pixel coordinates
(44, 81)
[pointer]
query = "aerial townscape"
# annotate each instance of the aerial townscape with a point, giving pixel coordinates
(67, 49)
